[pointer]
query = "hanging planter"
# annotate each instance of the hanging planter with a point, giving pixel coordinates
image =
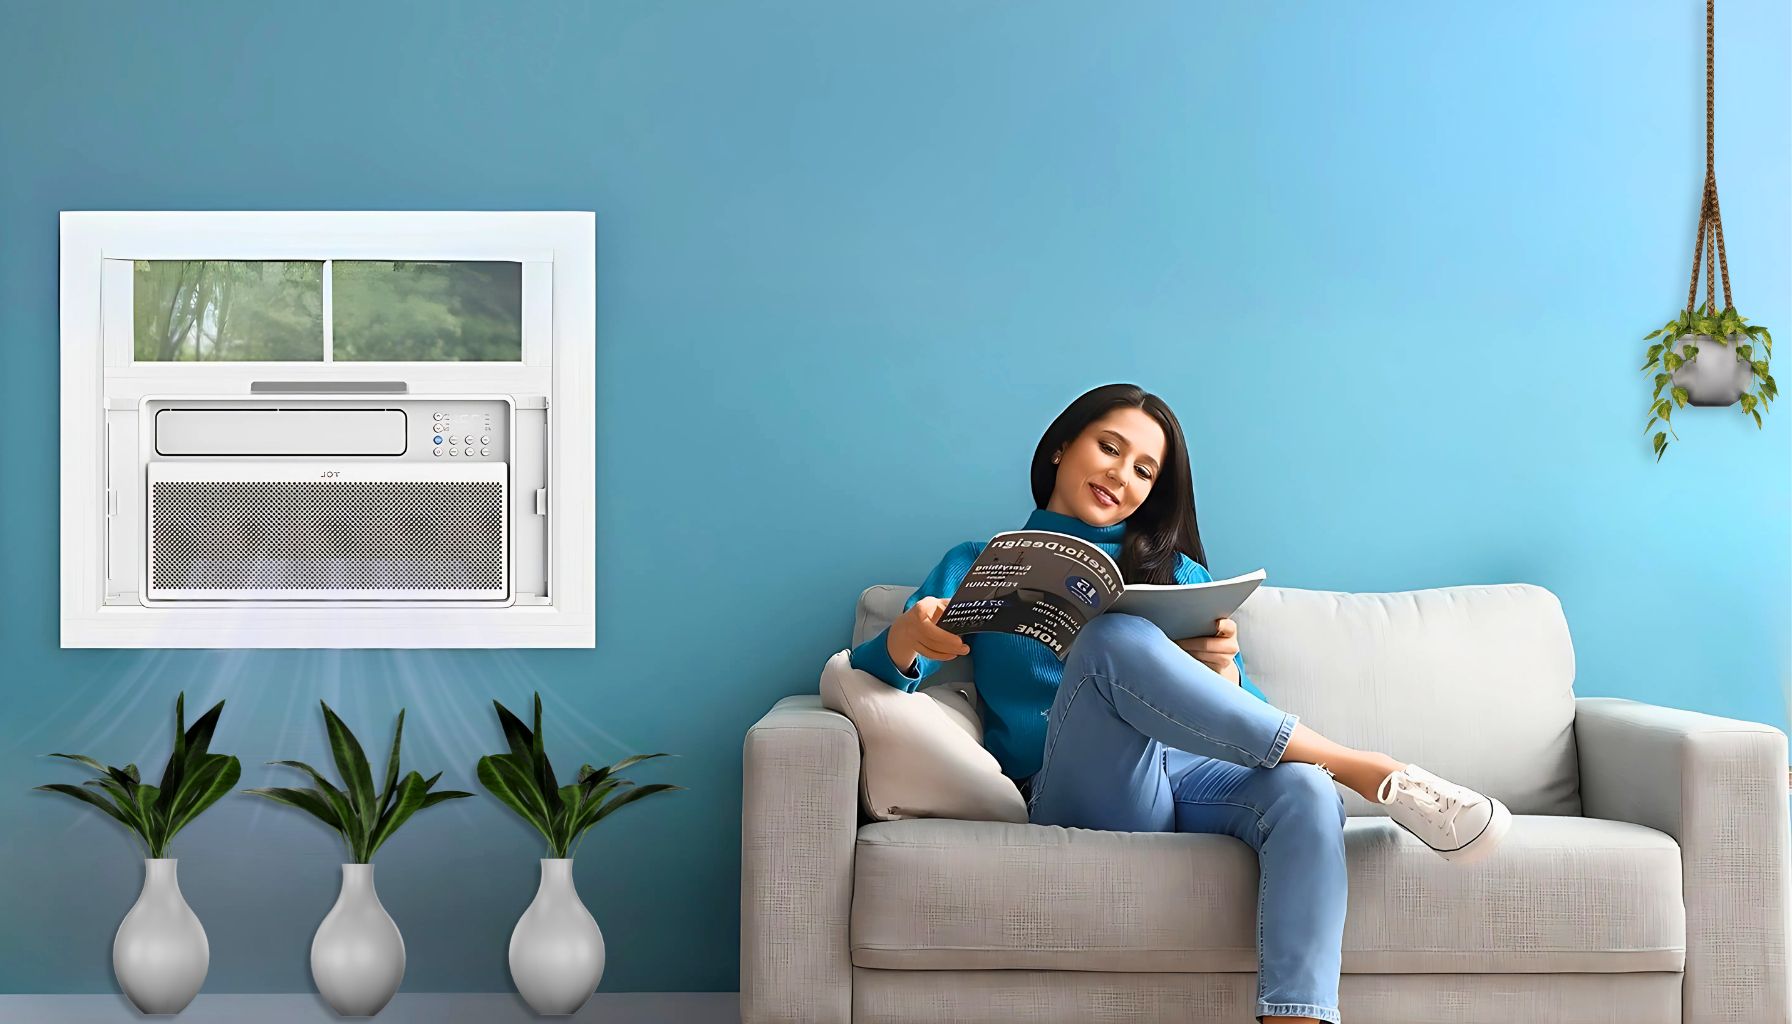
(1728, 366)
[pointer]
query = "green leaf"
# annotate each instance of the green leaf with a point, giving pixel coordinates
(155, 826)
(350, 823)
(1681, 395)
(1661, 444)
(198, 739)
(89, 797)
(1757, 415)
(119, 794)
(599, 775)
(628, 798)
(305, 800)
(545, 782)
(1748, 402)
(179, 756)
(216, 775)
(88, 761)
(351, 761)
(191, 745)
(411, 793)
(392, 765)
(516, 788)
(516, 734)
(1759, 366)
(1671, 361)
(447, 794)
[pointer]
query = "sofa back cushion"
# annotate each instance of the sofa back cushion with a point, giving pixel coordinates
(1474, 683)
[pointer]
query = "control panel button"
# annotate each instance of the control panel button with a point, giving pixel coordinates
(485, 451)
(485, 440)
(438, 439)
(454, 451)
(437, 452)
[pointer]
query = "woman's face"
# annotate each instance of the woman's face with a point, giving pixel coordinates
(1105, 474)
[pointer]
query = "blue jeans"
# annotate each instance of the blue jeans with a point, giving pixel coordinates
(1142, 737)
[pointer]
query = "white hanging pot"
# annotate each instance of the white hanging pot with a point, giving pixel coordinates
(1717, 375)
(160, 954)
(357, 956)
(556, 950)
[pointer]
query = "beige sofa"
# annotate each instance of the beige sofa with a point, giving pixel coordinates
(1644, 880)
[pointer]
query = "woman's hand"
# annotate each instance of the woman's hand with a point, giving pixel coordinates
(1217, 651)
(917, 631)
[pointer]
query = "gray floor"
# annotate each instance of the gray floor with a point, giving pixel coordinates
(414, 1008)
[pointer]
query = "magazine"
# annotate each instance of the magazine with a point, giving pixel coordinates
(1048, 585)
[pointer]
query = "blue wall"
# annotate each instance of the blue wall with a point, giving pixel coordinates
(1392, 266)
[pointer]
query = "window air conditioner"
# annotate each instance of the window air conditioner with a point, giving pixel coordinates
(380, 499)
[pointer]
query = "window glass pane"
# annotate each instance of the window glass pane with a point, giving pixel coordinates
(227, 311)
(424, 311)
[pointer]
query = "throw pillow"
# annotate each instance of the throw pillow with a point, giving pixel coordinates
(922, 752)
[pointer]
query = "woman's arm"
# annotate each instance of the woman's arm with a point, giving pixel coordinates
(877, 657)
(1190, 571)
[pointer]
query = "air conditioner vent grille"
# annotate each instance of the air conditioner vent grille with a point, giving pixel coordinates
(326, 535)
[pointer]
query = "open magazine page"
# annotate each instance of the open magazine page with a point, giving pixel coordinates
(1034, 583)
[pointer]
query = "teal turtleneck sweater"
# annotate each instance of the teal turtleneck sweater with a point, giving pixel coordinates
(1017, 676)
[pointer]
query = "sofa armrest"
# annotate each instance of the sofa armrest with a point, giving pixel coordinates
(799, 823)
(1718, 786)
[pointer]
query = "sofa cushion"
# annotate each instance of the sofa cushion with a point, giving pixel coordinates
(1562, 895)
(1474, 683)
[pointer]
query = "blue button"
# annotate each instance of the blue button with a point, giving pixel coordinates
(438, 439)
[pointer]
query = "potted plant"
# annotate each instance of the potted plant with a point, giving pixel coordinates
(556, 949)
(160, 954)
(357, 955)
(1721, 378)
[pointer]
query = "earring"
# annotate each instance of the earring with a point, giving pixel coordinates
(1054, 460)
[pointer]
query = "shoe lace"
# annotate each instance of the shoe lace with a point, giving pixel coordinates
(1444, 807)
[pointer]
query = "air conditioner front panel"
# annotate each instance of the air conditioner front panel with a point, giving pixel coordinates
(323, 532)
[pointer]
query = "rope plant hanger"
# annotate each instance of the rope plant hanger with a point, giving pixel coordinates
(1722, 377)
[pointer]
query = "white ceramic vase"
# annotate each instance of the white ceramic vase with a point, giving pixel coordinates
(160, 954)
(357, 956)
(556, 950)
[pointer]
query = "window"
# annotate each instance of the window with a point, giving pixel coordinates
(297, 366)
(227, 310)
(250, 311)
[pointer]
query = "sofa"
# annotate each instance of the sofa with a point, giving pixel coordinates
(1644, 880)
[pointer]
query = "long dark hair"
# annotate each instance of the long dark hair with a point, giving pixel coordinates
(1164, 524)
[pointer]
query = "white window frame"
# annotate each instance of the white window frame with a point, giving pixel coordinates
(558, 253)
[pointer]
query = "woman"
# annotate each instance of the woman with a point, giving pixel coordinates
(1137, 731)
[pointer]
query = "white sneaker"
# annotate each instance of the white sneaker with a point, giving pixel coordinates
(1457, 822)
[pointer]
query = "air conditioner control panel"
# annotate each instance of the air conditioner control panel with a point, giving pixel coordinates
(399, 428)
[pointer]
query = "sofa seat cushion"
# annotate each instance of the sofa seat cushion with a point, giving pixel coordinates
(1562, 895)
